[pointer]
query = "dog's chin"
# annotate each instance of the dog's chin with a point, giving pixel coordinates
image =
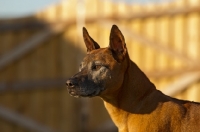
(78, 93)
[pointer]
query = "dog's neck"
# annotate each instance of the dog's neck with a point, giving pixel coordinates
(134, 90)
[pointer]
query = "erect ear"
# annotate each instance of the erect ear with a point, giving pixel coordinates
(89, 42)
(117, 44)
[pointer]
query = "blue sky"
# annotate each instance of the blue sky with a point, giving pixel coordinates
(17, 8)
(10, 8)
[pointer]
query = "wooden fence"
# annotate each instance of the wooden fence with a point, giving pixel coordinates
(38, 53)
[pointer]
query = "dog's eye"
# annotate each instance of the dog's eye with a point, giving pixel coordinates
(96, 67)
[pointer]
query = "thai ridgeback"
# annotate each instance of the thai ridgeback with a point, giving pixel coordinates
(133, 102)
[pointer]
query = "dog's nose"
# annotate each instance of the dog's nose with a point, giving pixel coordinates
(70, 83)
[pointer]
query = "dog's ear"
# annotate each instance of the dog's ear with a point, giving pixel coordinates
(89, 42)
(117, 44)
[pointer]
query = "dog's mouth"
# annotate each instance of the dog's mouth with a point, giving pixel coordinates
(77, 92)
(73, 93)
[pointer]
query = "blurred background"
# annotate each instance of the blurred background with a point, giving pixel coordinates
(41, 46)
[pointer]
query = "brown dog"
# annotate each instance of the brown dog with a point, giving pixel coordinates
(133, 102)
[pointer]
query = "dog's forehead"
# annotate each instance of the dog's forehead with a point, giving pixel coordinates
(102, 55)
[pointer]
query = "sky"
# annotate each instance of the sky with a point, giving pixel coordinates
(18, 8)
(10, 8)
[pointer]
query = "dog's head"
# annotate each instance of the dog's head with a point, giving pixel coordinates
(102, 70)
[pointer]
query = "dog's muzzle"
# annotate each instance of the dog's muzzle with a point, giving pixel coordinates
(78, 87)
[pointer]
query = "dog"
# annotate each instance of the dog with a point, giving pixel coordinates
(131, 99)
